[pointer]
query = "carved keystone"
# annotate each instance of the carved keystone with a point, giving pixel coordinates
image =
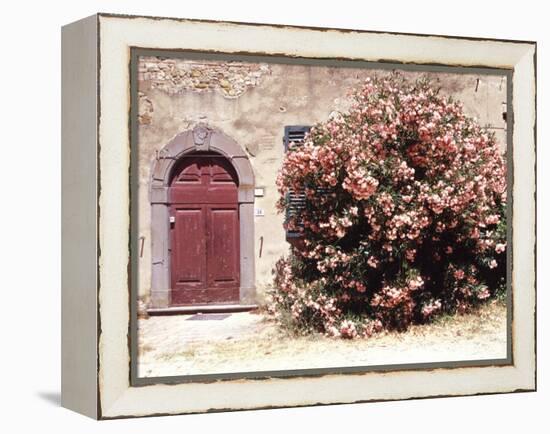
(201, 137)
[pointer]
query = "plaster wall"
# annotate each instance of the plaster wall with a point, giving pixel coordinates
(252, 103)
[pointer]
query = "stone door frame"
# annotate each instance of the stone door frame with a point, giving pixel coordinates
(201, 138)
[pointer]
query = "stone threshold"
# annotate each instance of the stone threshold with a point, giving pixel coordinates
(212, 308)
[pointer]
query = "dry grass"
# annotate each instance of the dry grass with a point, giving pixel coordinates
(478, 335)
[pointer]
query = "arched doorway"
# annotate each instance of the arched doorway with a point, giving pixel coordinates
(228, 177)
(204, 231)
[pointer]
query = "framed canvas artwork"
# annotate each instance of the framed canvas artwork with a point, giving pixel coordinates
(265, 216)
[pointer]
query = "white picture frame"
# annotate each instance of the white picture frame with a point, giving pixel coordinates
(96, 317)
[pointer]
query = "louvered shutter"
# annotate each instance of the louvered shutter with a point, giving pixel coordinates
(294, 134)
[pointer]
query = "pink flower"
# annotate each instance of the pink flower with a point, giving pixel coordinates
(340, 232)
(348, 329)
(372, 261)
(431, 308)
(474, 234)
(492, 219)
(360, 287)
(416, 283)
(483, 294)
(500, 247)
(493, 264)
(410, 254)
(333, 331)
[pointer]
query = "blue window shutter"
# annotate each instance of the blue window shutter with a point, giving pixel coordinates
(294, 134)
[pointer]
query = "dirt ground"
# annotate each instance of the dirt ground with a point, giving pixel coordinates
(247, 342)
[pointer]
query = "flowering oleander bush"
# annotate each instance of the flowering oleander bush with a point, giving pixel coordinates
(404, 217)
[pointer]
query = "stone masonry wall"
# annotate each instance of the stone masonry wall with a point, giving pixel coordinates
(231, 79)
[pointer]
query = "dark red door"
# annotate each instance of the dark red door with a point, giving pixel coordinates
(204, 221)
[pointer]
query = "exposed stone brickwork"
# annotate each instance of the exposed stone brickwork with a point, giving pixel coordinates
(145, 116)
(174, 76)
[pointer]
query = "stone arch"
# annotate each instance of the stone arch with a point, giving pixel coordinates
(201, 138)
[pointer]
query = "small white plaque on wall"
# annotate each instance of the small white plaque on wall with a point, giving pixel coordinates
(259, 191)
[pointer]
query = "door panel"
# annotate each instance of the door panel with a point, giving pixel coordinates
(188, 255)
(223, 246)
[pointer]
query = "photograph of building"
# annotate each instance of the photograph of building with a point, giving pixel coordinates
(213, 136)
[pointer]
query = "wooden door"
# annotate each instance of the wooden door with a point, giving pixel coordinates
(204, 222)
